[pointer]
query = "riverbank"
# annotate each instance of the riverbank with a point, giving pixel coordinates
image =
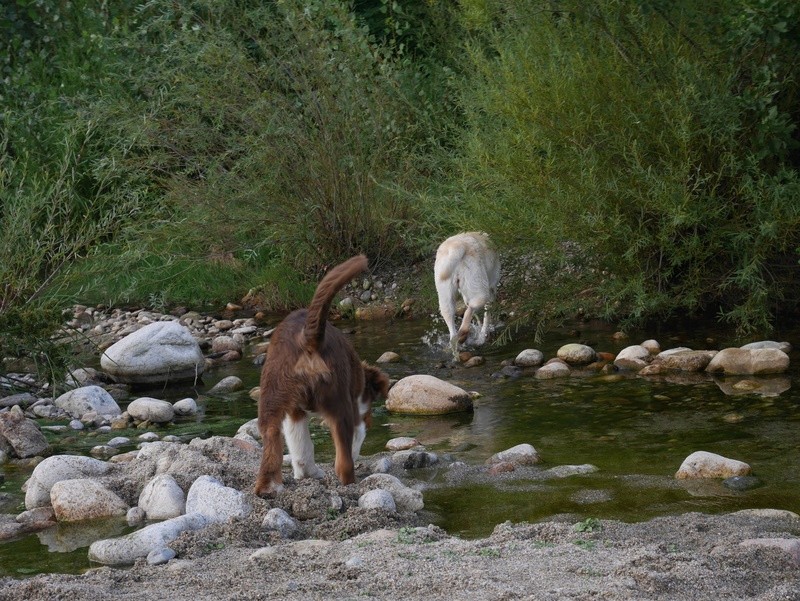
(691, 557)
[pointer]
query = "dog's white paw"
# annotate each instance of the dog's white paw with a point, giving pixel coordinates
(308, 471)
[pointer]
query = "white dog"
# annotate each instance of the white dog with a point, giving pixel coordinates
(467, 264)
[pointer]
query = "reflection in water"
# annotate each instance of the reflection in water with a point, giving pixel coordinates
(762, 385)
(66, 537)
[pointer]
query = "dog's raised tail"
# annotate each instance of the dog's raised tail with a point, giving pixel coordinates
(320, 305)
(447, 259)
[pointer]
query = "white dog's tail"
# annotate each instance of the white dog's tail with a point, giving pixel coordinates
(446, 264)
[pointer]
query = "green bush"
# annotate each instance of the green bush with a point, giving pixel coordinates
(659, 137)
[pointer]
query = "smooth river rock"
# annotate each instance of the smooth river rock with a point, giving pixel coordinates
(427, 395)
(84, 499)
(702, 464)
(743, 362)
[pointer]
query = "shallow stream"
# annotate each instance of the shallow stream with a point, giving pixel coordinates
(637, 431)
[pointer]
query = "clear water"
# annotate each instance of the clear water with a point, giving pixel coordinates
(637, 431)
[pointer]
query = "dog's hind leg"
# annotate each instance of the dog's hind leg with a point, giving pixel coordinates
(447, 304)
(463, 331)
(342, 431)
(301, 447)
(270, 479)
(485, 327)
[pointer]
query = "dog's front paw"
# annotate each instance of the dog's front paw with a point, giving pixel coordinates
(308, 470)
(315, 471)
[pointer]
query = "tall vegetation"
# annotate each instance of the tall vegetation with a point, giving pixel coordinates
(184, 152)
(659, 136)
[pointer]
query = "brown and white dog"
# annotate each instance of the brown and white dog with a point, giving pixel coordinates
(466, 263)
(311, 367)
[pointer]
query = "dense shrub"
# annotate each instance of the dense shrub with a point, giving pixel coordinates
(660, 137)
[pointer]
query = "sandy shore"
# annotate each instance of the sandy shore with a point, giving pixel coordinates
(687, 557)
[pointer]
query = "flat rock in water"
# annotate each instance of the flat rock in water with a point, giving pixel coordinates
(740, 361)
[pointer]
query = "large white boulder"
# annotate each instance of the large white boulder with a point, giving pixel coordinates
(522, 454)
(163, 351)
(633, 357)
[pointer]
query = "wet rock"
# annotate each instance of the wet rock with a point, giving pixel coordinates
(414, 459)
(426, 395)
(501, 467)
(20, 435)
(224, 344)
(84, 499)
(529, 358)
(738, 361)
(146, 409)
(521, 454)
(565, 471)
(82, 400)
(765, 386)
(227, 385)
(741, 483)
(401, 443)
(508, 371)
(689, 361)
(135, 516)
(702, 464)
(184, 407)
(633, 357)
(553, 369)
(576, 354)
(475, 361)
(163, 351)
(388, 357)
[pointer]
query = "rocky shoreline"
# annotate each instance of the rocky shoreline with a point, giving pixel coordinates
(203, 534)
